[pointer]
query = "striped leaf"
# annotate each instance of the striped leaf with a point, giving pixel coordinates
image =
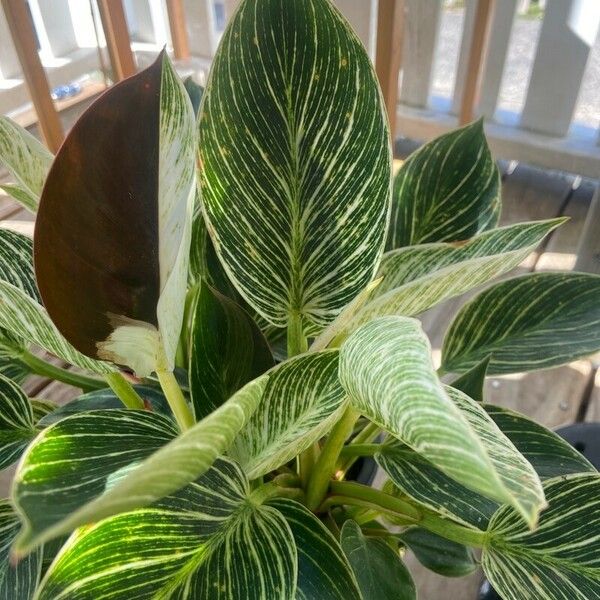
(121, 192)
(419, 277)
(517, 475)
(295, 160)
(27, 161)
(17, 425)
(16, 262)
(439, 554)
(105, 399)
(561, 558)
(302, 400)
(17, 582)
(70, 463)
(226, 350)
(387, 372)
(448, 190)
(176, 464)
(530, 322)
(207, 541)
(472, 382)
(323, 570)
(380, 573)
(546, 451)
(419, 479)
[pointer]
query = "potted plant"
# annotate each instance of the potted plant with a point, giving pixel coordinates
(239, 291)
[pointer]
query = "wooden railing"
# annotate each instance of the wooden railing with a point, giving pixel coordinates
(402, 36)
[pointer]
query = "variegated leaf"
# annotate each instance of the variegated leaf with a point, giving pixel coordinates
(209, 540)
(388, 374)
(16, 262)
(301, 401)
(70, 464)
(380, 573)
(119, 294)
(27, 160)
(295, 160)
(472, 382)
(170, 468)
(17, 582)
(17, 426)
(535, 321)
(323, 570)
(419, 277)
(545, 450)
(448, 190)
(560, 560)
(226, 350)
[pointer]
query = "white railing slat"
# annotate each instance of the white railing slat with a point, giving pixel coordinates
(9, 61)
(568, 33)
(54, 27)
(201, 28)
(362, 15)
(422, 23)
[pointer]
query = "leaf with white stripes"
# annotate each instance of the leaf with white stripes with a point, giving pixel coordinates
(560, 560)
(380, 572)
(323, 570)
(17, 582)
(447, 191)
(302, 400)
(16, 262)
(295, 160)
(517, 475)
(112, 234)
(535, 321)
(226, 349)
(209, 540)
(17, 426)
(174, 465)
(548, 453)
(416, 278)
(27, 160)
(472, 382)
(388, 374)
(70, 463)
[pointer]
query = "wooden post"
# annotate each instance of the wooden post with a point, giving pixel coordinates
(388, 57)
(117, 38)
(23, 36)
(179, 36)
(474, 76)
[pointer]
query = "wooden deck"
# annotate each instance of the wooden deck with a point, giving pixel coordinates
(554, 397)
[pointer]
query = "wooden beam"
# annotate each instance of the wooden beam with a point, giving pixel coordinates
(388, 57)
(474, 76)
(23, 36)
(116, 32)
(179, 35)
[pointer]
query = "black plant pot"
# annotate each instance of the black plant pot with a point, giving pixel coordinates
(363, 470)
(584, 437)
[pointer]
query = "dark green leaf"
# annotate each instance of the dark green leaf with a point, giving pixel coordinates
(194, 92)
(447, 191)
(16, 582)
(323, 570)
(547, 452)
(473, 381)
(380, 573)
(295, 160)
(439, 554)
(530, 322)
(226, 350)
(17, 426)
(71, 462)
(561, 558)
(209, 540)
(113, 228)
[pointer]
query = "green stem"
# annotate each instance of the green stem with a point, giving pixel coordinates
(454, 532)
(176, 399)
(45, 369)
(325, 466)
(366, 436)
(306, 463)
(124, 390)
(296, 340)
(356, 450)
(376, 498)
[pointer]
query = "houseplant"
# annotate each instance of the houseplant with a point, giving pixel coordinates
(184, 251)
